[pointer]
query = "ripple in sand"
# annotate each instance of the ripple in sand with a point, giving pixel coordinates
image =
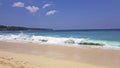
(7, 62)
(5, 66)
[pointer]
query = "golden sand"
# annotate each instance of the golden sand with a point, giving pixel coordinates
(29, 55)
(14, 60)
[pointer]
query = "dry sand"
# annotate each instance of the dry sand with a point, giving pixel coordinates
(29, 55)
(14, 60)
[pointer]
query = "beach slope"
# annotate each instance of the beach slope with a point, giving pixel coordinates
(30, 55)
(14, 60)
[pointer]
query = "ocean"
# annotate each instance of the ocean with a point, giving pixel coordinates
(106, 38)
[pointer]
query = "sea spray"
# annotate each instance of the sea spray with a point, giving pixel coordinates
(61, 38)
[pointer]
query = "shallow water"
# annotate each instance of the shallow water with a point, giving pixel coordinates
(106, 37)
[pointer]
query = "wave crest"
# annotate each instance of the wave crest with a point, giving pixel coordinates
(56, 40)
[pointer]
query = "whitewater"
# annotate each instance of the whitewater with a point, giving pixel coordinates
(76, 38)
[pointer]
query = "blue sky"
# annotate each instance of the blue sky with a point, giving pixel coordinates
(61, 14)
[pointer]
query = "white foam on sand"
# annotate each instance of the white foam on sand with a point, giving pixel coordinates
(57, 40)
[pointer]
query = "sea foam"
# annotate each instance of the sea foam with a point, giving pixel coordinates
(58, 40)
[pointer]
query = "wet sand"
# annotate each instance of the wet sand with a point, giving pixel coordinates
(58, 56)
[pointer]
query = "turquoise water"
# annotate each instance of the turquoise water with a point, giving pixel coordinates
(110, 37)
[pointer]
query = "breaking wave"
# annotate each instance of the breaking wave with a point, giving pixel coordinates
(59, 40)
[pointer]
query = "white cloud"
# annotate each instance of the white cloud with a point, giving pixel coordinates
(32, 9)
(46, 5)
(51, 12)
(18, 4)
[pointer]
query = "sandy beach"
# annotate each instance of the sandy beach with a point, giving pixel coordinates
(30, 55)
(59, 33)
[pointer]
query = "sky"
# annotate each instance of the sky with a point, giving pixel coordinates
(61, 14)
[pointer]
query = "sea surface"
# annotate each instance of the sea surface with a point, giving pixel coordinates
(107, 38)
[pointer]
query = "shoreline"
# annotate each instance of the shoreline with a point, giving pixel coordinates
(95, 56)
(67, 41)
